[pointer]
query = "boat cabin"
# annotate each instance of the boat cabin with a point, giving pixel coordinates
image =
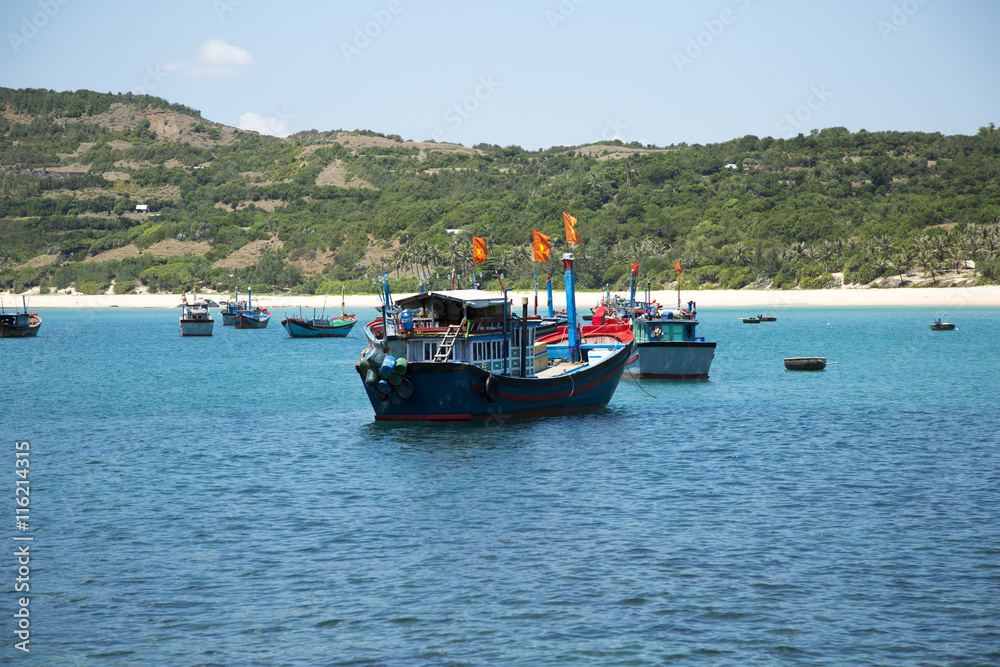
(16, 319)
(470, 326)
(667, 329)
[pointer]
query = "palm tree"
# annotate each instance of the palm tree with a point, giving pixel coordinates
(929, 263)
(619, 255)
(739, 253)
(901, 261)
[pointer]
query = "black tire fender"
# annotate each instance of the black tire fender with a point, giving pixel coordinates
(492, 388)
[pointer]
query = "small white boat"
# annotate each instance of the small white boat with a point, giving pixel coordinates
(195, 319)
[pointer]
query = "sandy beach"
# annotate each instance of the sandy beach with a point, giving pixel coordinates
(944, 297)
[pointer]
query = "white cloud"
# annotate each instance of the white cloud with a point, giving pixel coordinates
(215, 58)
(270, 125)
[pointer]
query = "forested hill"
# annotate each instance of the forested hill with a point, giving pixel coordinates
(228, 208)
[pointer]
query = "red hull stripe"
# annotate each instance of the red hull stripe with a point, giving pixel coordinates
(465, 417)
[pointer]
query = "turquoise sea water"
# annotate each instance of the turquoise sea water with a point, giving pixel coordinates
(230, 501)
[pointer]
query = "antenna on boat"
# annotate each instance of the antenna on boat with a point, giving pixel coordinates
(631, 289)
(548, 287)
(536, 292)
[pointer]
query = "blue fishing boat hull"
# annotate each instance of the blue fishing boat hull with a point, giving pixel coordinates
(455, 391)
(247, 321)
(227, 318)
(674, 360)
(297, 328)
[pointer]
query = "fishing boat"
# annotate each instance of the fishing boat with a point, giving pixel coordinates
(461, 355)
(805, 363)
(196, 320)
(752, 320)
(231, 308)
(321, 327)
(667, 341)
(939, 325)
(19, 325)
(250, 317)
(769, 317)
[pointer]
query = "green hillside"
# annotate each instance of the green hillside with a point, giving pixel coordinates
(305, 214)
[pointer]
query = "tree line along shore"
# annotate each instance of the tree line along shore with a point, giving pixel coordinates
(133, 194)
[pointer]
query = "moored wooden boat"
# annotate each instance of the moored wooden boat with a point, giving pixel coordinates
(805, 363)
(250, 317)
(321, 327)
(231, 308)
(19, 325)
(318, 327)
(460, 355)
(667, 344)
(196, 320)
(666, 339)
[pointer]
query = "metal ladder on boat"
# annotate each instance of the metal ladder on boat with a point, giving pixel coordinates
(448, 342)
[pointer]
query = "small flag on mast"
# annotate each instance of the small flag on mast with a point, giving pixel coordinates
(478, 250)
(635, 270)
(572, 236)
(678, 267)
(542, 246)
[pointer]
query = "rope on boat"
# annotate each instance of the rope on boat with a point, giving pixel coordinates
(637, 382)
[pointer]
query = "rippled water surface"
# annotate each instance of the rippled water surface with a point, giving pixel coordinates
(230, 501)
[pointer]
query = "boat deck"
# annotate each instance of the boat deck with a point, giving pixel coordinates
(560, 368)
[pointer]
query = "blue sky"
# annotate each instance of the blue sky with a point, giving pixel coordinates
(532, 74)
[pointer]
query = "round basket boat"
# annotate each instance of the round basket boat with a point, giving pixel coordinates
(805, 363)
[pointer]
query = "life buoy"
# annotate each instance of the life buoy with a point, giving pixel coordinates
(492, 388)
(688, 331)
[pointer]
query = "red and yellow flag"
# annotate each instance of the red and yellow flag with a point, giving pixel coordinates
(478, 250)
(542, 246)
(678, 267)
(572, 236)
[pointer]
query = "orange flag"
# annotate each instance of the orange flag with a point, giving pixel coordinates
(572, 236)
(542, 246)
(478, 250)
(678, 267)
(635, 270)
